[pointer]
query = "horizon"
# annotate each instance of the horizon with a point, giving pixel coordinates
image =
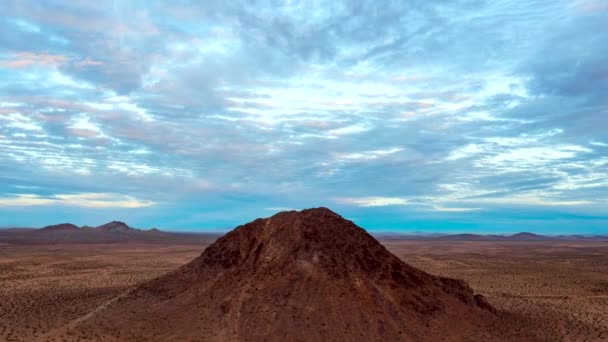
(377, 231)
(462, 117)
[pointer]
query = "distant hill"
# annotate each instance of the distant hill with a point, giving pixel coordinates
(469, 237)
(16, 229)
(523, 236)
(117, 231)
(60, 228)
(111, 232)
(116, 227)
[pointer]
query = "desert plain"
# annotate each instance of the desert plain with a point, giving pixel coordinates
(559, 287)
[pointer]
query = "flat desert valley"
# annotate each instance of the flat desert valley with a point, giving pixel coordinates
(559, 287)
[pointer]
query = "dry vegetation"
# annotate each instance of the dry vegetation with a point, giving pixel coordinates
(561, 286)
(45, 287)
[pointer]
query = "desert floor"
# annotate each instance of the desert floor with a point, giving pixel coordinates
(561, 285)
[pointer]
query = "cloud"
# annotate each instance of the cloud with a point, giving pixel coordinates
(591, 6)
(454, 209)
(87, 62)
(279, 209)
(368, 155)
(25, 200)
(390, 107)
(466, 151)
(27, 59)
(520, 158)
(530, 199)
(89, 200)
(19, 121)
(374, 201)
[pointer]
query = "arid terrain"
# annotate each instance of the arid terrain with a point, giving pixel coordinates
(559, 287)
(45, 287)
(562, 286)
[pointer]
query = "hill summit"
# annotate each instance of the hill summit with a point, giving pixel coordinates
(115, 227)
(60, 227)
(307, 275)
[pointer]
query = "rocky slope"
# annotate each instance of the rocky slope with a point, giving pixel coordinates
(297, 276)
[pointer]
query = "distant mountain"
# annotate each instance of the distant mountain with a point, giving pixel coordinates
(469, 237)
(117, 231)
(117, 227)
(60, 227)
(110, 232)
(525, 236)
(16, 229)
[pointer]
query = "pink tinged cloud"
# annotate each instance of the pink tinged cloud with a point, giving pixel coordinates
(591, 6)
(22, 60)
(83, 133)
(88, 200)
(88, 63)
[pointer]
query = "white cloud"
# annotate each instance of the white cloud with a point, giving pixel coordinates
(454, 209)
(530, 199)
(531, 156)
(351, 129)
(464, 193)
(368, 155)
(82, 126)
(523, 139)
(19, 121)
(89, 200)
(279, 209)
(466, 151)
(374, 201)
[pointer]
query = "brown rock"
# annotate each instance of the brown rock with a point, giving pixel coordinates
(296, 276)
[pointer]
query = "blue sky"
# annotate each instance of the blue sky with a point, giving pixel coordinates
(476, 116)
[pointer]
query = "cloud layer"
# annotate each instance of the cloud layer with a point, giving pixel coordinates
(465, 115)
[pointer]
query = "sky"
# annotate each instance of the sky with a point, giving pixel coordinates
(404, 116)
